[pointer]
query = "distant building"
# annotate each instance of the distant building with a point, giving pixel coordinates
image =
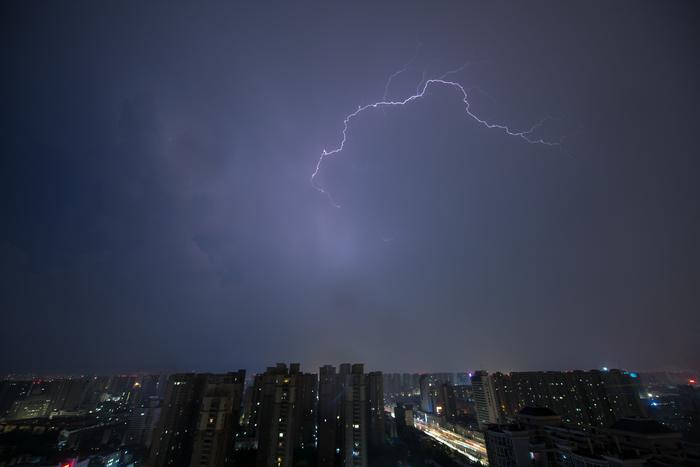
(72, 396)
(437, 396)
(30, 407)
(403, 414)
(583, 398)
(428, 392)
(11, 392)
(447, 401)
(677, 407)
(400, 385)
(393, 384)
(464, 392)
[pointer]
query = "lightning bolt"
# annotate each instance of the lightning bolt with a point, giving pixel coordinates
(525, 135)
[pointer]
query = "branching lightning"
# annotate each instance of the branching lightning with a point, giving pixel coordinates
(398, 72)
(422, 80)
(452, 72)
(391, 78)
(525, 135)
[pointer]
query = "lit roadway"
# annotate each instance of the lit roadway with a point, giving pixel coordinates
(470, 448)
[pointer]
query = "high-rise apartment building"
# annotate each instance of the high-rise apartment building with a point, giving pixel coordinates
(437, 395)
(354, 414)
(583, 398)
(351, 414)
(141, 423)
(307, 400)
(428, 393)
(484, 399)
(198, 420)
(330, 393)
(403, 414)
(447, 402)
(375, 408)
(218, 419)
(283, 404)
(172, 442)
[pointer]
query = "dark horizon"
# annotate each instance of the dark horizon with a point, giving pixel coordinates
(308, 369)
(158, 210)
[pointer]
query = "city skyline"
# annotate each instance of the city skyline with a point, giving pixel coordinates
(346, 415)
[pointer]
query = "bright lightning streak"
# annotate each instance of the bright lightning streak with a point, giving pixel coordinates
(525, 135)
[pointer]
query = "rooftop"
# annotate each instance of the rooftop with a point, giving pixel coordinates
(641, 425)
(538, 412)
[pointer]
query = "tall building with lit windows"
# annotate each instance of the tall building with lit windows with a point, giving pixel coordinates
(584, 399)
(198, 420)
(437, 396)
(375, 408)
(281, 398)
(428, 393)
(351, 415)
(484, 399)
(329, 426)
(217, 421)
(173, 440)
(307, 413)
(354, 415)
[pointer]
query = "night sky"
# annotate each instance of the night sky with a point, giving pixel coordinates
(156, 210)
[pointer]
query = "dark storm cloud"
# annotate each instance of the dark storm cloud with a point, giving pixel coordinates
(157, 211)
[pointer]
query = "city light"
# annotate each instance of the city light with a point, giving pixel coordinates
(470, 448)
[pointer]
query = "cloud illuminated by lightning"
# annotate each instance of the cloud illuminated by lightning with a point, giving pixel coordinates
(525, 135)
